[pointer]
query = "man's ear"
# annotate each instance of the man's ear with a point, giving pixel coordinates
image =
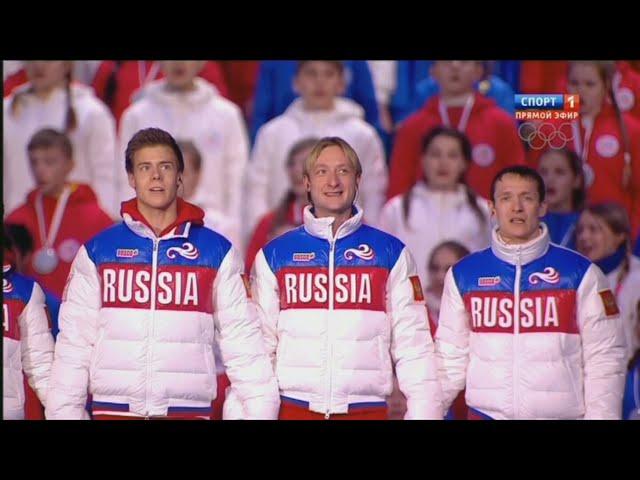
(542, 210)
(492, 207)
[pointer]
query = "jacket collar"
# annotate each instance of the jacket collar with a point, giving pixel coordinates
(321, 227)
(521, 253)
(188, 214)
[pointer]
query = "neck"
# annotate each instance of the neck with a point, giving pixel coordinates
(443, 188)
(182, 88)
(159, 219)
(339, 218)
(54, 191)
(301, 200)
(315, 108)
(517, 240)
(437, 292)
(591, 115)
(455, 99)
(45, 93)
(188, 195)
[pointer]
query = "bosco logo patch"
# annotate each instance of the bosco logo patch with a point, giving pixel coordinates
(127, 252)
(304, 257)
(488, 281)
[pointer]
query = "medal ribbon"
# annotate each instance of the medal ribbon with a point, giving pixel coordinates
(56, 221)
(464, 118)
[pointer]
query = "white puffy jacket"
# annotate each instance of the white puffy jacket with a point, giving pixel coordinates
(562, 358)
(267, 179)
(138, 319)
(340, 312)
(27, 344)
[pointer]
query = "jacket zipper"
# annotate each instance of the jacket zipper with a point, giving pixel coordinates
(332, 245)
(516, 333)
(150, 324)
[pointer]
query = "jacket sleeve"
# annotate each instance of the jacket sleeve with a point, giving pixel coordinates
(603, 347)
(36, 343)
(247, 365)
(101, 154)
(236, 160)
(78, 322)
(452, 341)
(266, 295)
(412, 348)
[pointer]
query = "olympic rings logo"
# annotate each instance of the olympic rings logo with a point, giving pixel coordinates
(542, 135)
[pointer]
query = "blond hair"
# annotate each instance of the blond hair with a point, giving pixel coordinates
(325, 142)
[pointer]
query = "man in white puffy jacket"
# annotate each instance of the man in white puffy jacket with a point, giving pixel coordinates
(27, 343)
(143, 302)
(531, 329)
(319, 112)
(343, 306)
(190, 108)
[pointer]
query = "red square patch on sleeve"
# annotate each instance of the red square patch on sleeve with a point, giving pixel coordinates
(609, 303)
(418, 295)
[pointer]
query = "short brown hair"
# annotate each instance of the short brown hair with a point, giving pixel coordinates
(151, 137)
(50, 138)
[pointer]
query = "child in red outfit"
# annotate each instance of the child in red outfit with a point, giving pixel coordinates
(60, 216)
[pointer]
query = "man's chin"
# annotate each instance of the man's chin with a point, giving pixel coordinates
(521, 235)
(158, 205)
